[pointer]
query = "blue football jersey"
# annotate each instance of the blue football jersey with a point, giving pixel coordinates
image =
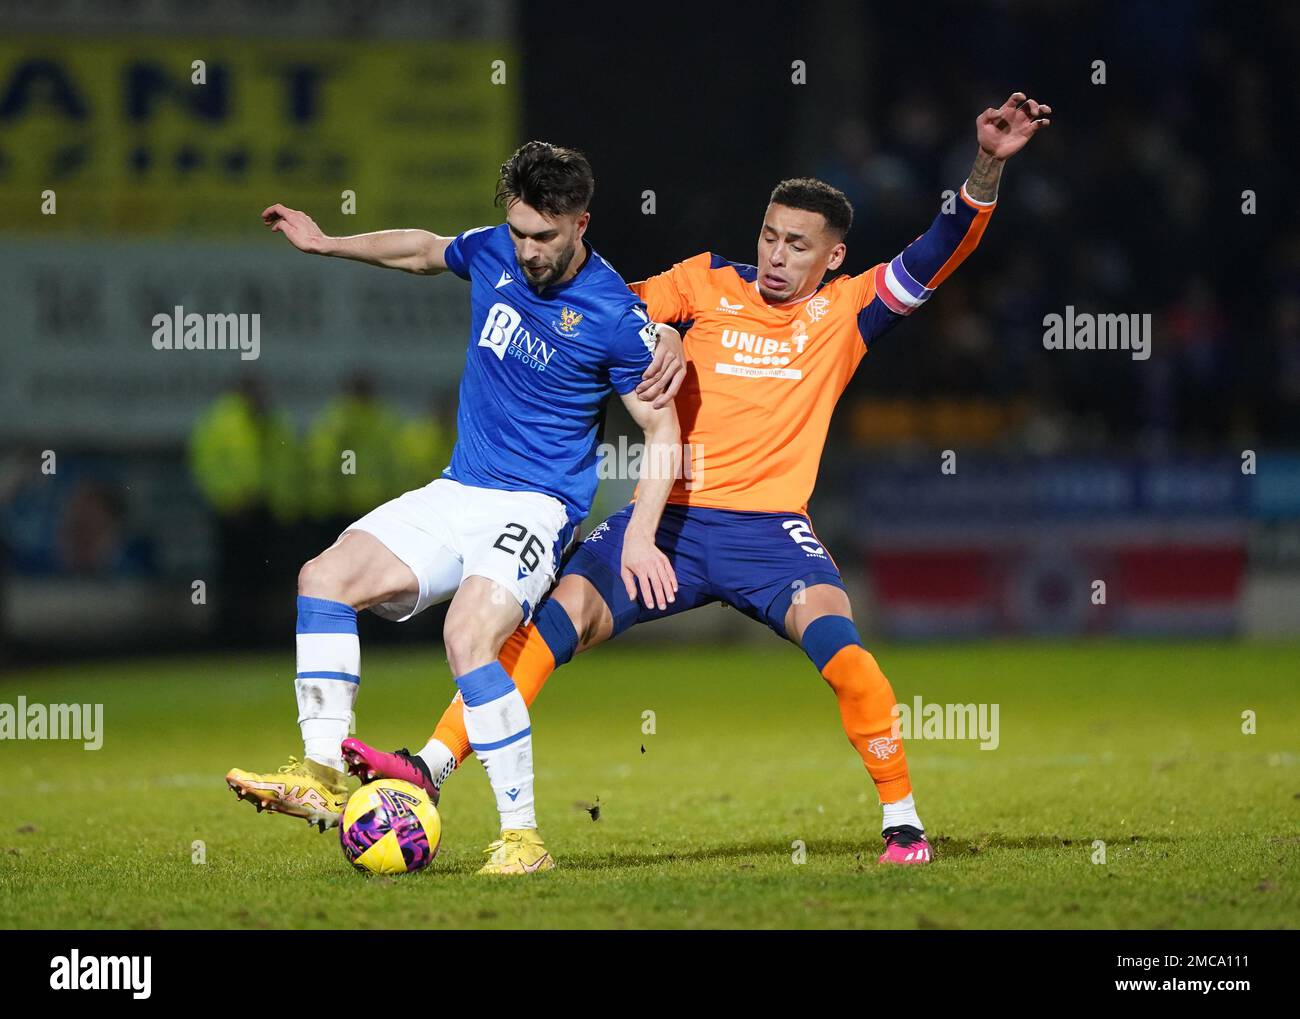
(539, 369)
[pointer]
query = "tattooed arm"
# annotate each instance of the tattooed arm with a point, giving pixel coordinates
(901, 286)
(1002, 133)
(982, 184)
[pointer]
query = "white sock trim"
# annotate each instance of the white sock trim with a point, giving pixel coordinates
(901, 812)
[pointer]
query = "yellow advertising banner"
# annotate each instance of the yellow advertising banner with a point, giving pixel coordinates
(175, 137)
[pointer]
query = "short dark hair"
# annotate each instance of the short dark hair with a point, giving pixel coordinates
(813, 195)
(552, 179)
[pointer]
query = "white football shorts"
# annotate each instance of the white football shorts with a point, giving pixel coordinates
(447, 531)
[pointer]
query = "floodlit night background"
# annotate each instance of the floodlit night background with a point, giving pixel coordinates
(1072, 465)
(1099, 552)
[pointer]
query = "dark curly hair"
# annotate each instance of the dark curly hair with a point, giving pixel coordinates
(552, 179)
(813, 195)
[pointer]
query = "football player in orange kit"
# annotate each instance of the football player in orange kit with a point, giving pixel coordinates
(769, 350)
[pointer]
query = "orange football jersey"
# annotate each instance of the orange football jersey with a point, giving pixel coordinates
(763, 379)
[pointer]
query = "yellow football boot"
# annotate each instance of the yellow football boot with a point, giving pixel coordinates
(300, 789)
(517, 851)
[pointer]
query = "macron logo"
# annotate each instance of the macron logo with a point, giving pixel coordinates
(102, 973)
(505, 278)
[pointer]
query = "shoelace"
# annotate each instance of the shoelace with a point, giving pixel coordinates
(903, 836)
(294, 765)
(416, 762)
(494, 846)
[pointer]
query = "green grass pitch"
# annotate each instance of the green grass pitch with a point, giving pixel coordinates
(1136, 744)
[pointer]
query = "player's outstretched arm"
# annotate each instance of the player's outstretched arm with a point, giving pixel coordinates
(417, 251)
(1002, 133)
(643, 564)
(900, 286)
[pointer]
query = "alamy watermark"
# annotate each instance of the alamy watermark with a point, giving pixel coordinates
(77, 972)
(222, 331)
(920, 720)
(1084, 330)
(624, 461)
(83, 722)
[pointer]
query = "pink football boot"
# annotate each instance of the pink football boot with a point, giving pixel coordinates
(368, 764)
(904, 844)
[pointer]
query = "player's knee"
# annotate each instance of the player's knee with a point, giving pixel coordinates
(583, 615)
(585, 610)
(458, 649)
(321, 578)
(826, 637)
(556, 625)
(467, 648)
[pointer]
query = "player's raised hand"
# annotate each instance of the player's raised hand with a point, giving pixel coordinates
(1003, 132)
(644, 565)
(663, 378)
(298, 227)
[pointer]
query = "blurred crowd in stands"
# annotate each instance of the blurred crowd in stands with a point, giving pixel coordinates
(280, 498)
(268, 497)
(1165, 186)
(1120, 207)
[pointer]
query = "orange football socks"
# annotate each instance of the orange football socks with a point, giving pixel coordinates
(866, 701)
(866, 709)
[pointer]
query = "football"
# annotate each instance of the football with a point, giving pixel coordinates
(390, 827)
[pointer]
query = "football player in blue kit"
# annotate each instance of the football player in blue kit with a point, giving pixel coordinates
(554, 331)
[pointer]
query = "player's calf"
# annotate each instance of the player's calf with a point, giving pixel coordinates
(866, 702)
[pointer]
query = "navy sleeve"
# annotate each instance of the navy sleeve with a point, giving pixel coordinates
(907, 282)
